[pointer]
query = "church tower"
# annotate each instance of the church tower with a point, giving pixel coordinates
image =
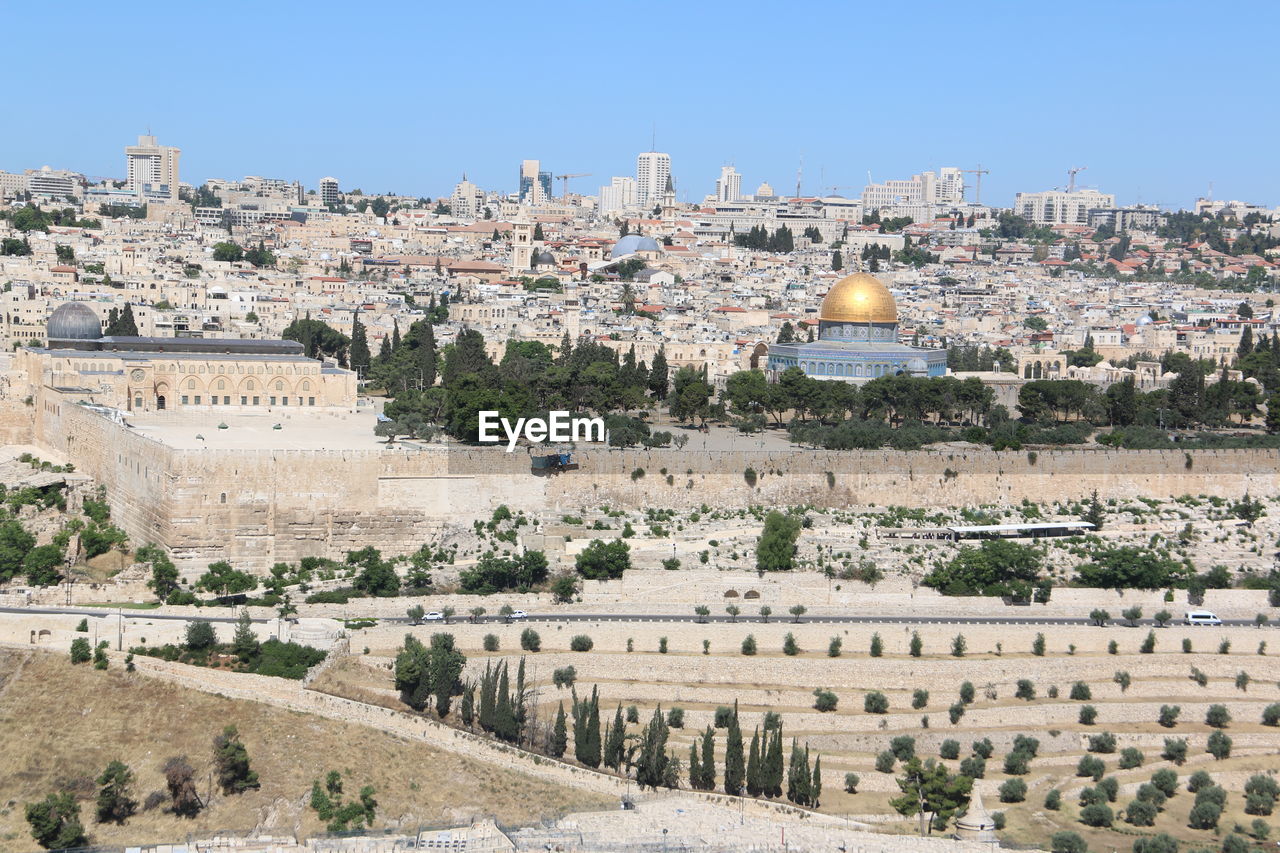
(521, 245)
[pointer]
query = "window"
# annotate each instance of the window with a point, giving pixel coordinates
(184, 399)
(197, 399)
(284, 401)
(311, 401)
(222, 498)
(244, 401)
(255, 400)
(273, 401)
(226, 401)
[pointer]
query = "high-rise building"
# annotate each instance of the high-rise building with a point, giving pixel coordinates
(152, 169)
(55, 183)
(653, 173)
(618, 196)
(728, 185)
(329, 191)
(944, 188)
(535, 184)
(467, 201)
(1056, 207)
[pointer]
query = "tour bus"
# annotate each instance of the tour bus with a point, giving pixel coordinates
(1201, 617)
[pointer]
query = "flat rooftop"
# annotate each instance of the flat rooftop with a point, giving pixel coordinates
(300, 429)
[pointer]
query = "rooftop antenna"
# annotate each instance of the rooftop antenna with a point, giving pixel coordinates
(653, 139)
(799, 175)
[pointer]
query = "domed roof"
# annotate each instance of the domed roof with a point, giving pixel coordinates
(633, 243)
(859, 298)
(74, 321)
(545, 258)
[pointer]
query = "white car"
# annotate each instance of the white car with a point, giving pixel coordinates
(433, 616)
(519, 614)
(1201, 617)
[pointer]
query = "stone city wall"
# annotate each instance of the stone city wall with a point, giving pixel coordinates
(258, 507)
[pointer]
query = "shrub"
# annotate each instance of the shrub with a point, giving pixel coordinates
(1261, 792)
(1242, 680)
(1271, 715)
(1130, 757)
(1186, 645)
(1113, 648)
(662, 645)
(1218, 745)
(1024, 743)
(1161, 843)
(1109, 788)
(564, 676)
(1037, 646)
(1088, 715)
(80, 651)
(851, 781)
(958, 646)
(633, 714)
(1097, 814)
(1017, 763)
(983, 748)
(824, 700)
(1080, 692)
(884, 761)
(1224, 648)
(1053, 800)
(877, 646)
(1199, 781)
(1091, 765)
(1165, 781)
(875, 703)
(966, 692)
(1067, 842)
(581, 643)
(1026, 690)
(1204, 815)
(1169, 715)
(998, 820)
(749, 645)
(83, 626)
(1013, 791)
(833, 648)
(723, 717)
(1149, 793)
(675, 718)
(1217, 716)
(490, 642)
(1104, 742)
(1132, 615)
(949, 749)
(1099, 617)
(530, 641)
(915, 647)
(1140, 813)
(1175, 750)
(955, 712)
(789, 646)
(919, 698)
(973, 767)
(1163, 618)
(903, 748)
(1149, 644)
(1122, 678)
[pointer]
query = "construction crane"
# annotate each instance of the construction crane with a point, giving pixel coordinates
(846, 187)
(564, 182)
(977, 196)
(1072, 172)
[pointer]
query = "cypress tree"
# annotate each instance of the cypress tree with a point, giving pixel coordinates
(615, 740)
(384, 351)
(579, 726)
(359, 345)
(815, 784)
(559, 735)
(504, 718)
(755, 786)
(794, 793)
(708, 760)
(395, 335)
(468, 705)
(487, 699)
(773, 774)
(566, 349)
(695, 772)
(658, 375)
(733, 769)
(593, 730)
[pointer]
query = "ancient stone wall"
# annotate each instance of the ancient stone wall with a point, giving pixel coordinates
(259, 507)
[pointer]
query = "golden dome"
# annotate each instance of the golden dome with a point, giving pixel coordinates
(859, 298)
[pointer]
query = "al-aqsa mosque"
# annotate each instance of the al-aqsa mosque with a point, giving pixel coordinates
(857, 338)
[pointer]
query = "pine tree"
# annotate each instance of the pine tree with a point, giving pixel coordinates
(559, 735)
(613, 743)
(733, 769)
(708, 764)
(755, 785)
(566, 349)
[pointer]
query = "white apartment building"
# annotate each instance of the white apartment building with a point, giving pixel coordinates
(55, 183)
(653, 173)
(467, 201)
(619, 196)
(329, 191)
(944, 188)
(1057, 207)
(728, 185)
(152, 169)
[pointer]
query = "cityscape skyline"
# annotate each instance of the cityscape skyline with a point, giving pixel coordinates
(845, 120)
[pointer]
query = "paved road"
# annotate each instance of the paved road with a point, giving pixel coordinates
(819, 619)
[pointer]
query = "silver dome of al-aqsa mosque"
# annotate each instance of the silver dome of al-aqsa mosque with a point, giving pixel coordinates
(74, 321)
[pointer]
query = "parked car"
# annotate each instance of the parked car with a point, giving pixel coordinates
(1201, 617)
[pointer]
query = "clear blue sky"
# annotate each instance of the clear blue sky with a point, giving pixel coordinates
(1156, 98)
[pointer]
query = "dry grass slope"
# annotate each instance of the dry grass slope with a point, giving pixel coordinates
(60, 725)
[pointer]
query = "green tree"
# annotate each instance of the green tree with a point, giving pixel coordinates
(360, 355)
(776, 547)
(930, 791)
(603, 560)
(559, 735)
(115, 801)
(55, 822)
(244, 642)
(80, 650)
(223, 581)
(429, 673)
(231, 763)
(227, 251)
